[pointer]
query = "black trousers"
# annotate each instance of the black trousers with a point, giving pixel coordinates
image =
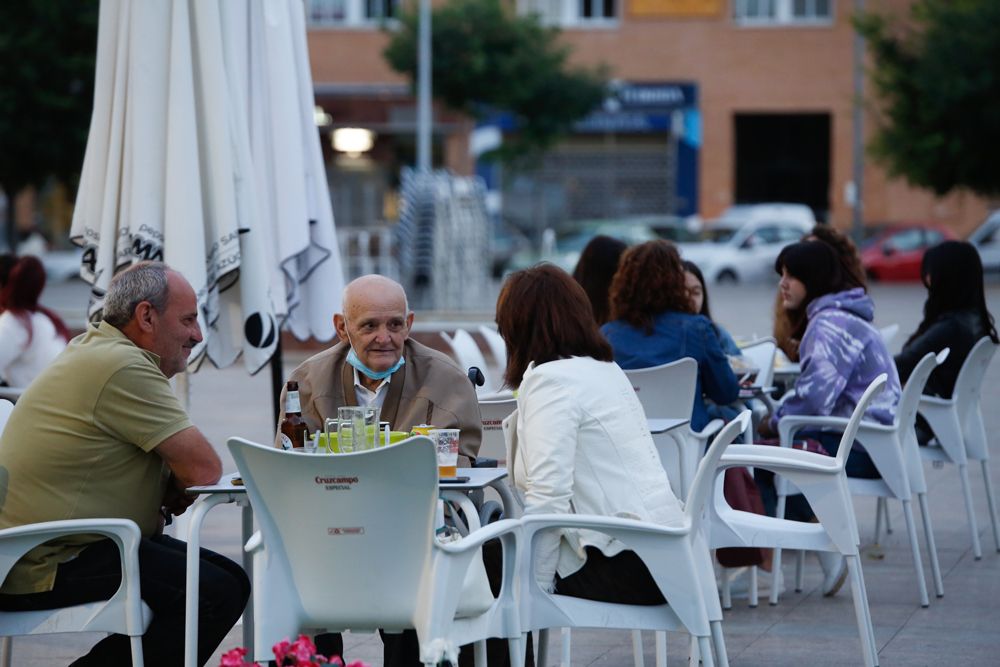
(95, 574)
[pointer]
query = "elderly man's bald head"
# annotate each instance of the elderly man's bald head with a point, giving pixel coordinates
(372, 287)
(375, 321)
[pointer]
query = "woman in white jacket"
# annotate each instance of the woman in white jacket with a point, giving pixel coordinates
(579, 442)
(31, 335)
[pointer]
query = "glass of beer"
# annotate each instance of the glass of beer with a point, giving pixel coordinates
(446, 443)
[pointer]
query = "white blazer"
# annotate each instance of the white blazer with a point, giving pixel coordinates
(579, 443)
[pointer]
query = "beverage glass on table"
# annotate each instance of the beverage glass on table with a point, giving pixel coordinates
(357, 428)
(446, 443)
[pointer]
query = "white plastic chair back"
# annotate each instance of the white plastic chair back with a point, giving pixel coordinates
(761, 353)
(496, 345)
(468, 354)
(705, 478)
(349, 534)
(968, 388)
(888, 334)
(666, 391)
(906, 416)
(6, 407)
(493, 413)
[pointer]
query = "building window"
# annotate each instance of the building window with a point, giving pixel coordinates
(326, 13)
(572, 13)
(782, 12)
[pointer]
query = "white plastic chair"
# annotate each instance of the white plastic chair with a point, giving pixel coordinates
(492, 413)
(11, 393)
(667, 392)
(888, 334)
(124, 613)
(496, 345)
(823, 481)
(347, 542)
(466, 351)
(6, 407)
(761, 354)
(958, 427)
(677, 557)
(893, 450)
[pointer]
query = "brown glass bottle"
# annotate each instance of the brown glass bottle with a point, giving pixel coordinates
(293, 427)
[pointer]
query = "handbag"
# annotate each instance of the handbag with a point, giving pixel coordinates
(741, 493)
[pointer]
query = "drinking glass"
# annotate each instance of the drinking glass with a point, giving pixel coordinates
(357, 428)
(446, 444)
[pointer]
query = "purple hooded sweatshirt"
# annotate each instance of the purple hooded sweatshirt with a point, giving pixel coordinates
(840, 354)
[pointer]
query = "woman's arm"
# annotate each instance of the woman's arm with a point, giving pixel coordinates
(718, 381)
(824, 353)
(550, 420)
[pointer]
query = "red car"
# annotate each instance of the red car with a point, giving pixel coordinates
(895, 253)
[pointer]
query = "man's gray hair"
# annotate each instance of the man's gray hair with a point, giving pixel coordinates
(145, 281)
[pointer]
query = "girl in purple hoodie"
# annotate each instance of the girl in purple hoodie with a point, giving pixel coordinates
(840, 353)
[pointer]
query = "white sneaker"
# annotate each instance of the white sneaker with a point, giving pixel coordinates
(834, 572)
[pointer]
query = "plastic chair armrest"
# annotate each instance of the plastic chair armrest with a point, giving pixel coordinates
(478, 537)
(789, 425)
(935, 401)
(17, 541)
(711, 428)
(777, 459)
(255, 543)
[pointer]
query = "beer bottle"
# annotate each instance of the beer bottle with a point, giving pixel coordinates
(293, 426)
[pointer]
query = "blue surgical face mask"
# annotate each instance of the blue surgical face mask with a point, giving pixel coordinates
(352, 359)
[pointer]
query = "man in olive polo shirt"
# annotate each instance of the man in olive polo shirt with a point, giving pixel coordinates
(100, 434)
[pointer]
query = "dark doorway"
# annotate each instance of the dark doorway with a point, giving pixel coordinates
(784, 158)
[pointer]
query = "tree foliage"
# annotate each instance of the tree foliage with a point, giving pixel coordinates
(486, 59)
(938, 80)
(46, 90)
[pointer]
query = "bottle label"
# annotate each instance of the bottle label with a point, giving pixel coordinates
(292, 403)
(286, 442)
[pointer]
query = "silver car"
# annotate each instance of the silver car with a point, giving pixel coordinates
(986, 238)
(741, 250)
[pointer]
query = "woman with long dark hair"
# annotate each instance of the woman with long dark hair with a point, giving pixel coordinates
(955, 314)
(654, 322)
(31, 335)
(578, 442)
(852, 273)
(840, 353)
(594, 271)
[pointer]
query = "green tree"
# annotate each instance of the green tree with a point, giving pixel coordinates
(937, 77)
(47, 48)
(486, 59)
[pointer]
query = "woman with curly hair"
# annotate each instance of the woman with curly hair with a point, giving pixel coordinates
(654, 323)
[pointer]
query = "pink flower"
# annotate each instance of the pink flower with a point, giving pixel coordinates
(303, 649)
(234, 658)
(281, 650)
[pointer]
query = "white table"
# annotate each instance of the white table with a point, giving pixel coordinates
(214, 494)
(658, 426)
(226, 492)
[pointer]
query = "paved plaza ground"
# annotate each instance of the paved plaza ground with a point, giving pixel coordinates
(962, 628)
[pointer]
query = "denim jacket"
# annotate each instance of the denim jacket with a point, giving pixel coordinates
(675, 336)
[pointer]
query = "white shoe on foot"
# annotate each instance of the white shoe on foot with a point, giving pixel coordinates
(834, 571)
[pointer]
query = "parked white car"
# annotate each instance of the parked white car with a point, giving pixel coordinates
(986, 238)
(743, 244)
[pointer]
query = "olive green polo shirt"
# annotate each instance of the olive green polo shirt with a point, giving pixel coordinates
(79, 445)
